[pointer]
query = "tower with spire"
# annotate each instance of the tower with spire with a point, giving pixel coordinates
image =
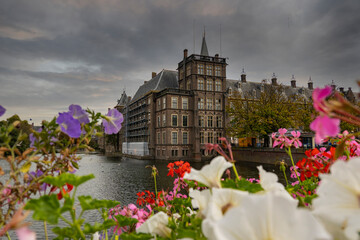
(205, 77)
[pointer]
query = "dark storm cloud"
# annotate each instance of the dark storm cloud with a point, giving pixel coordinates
(88, 51)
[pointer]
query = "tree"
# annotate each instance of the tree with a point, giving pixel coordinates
(258, 117)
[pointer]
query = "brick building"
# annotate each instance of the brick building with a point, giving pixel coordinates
(174, 114)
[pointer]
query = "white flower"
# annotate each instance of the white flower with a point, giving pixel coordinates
(210, 175)
(269, 182)
(267, 216)
(200, 199)
(96, 236)
(222, 200)
(339, 199)
(156, 225)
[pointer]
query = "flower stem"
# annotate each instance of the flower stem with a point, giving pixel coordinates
(8, 236)
(45, 230)
(287, 183)
(288, 151)
(235, 171)
(155, 184)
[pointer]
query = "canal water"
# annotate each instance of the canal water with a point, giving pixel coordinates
(120, 179)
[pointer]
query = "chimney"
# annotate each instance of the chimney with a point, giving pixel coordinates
(145, 82)
(293, 82)
(310, 84)
(273, 79)
(185, 53)
(153, 74)
(333, 85)
(243, 76)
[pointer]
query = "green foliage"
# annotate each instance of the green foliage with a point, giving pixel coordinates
(46, 208)
(69, 178)
(272, 110)
(88, 203)
(136, 236)
(97, 227)
(242, 185)
(125, 221)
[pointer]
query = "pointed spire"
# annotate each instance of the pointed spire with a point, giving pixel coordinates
(204, 49)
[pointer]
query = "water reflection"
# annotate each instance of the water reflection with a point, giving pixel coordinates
(121, 178)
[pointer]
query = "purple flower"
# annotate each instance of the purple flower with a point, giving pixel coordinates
(69, 125)
(112, 121)
(78, 113)
(33, 139)
(2, 110)
(323, 126)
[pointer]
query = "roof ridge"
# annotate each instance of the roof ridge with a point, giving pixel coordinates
(159, 79)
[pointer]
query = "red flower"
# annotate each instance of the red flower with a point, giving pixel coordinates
(179, 167)
(64, 192)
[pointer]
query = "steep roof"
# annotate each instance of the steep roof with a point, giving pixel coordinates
(253, 89)
(164, 79)
(123, 99)
(204, 49)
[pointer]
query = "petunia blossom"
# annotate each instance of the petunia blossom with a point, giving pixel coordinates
(323, 126)
(78, 113)
(269, 182)
(2, 110)
(319, 95)
(338, 201)
(267, 216)
(210, 175)
(112, 121)
(156, 225)
(69, 125)
(221, 201)
(200, 200)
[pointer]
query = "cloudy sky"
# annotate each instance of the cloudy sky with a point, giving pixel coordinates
(57, 52)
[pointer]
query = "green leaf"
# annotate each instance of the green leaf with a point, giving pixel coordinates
(125, 221)
(340, 149)
(242, 185)
(88, 203)
(90, 229)
(25, 168)
(66, 232)
(69, 178)
(75, 164)
(46, 208)
(136, 236)
(68, 204)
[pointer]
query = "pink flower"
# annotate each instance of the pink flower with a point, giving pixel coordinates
(323, 126)
(296, 141)
(319, 95)
(24, 233)
(282, 131)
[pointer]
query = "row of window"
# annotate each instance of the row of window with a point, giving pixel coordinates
(209, 104)
(174, 152)
(201, 70)
(174, 120)
(174, 138)
(210, 137)
(218, 121)
(174, 102)
(209, 85)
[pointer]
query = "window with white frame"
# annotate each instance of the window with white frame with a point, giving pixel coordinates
(218, 85)
(174, 120)
(202, 138)
(164, 120)
(185, 103)
(200, 68)
(164, 102)
(218, 71)
(158, 122)
(185, 120)
(209, 85)
(185, 138)
(164, 137)
(219, 121)
(174, 102)
(210, 121)
(201, 103)
(174, 138)
(217, 104)
(218, 136)
(200, 84)
(209, 104)
(209, 70)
